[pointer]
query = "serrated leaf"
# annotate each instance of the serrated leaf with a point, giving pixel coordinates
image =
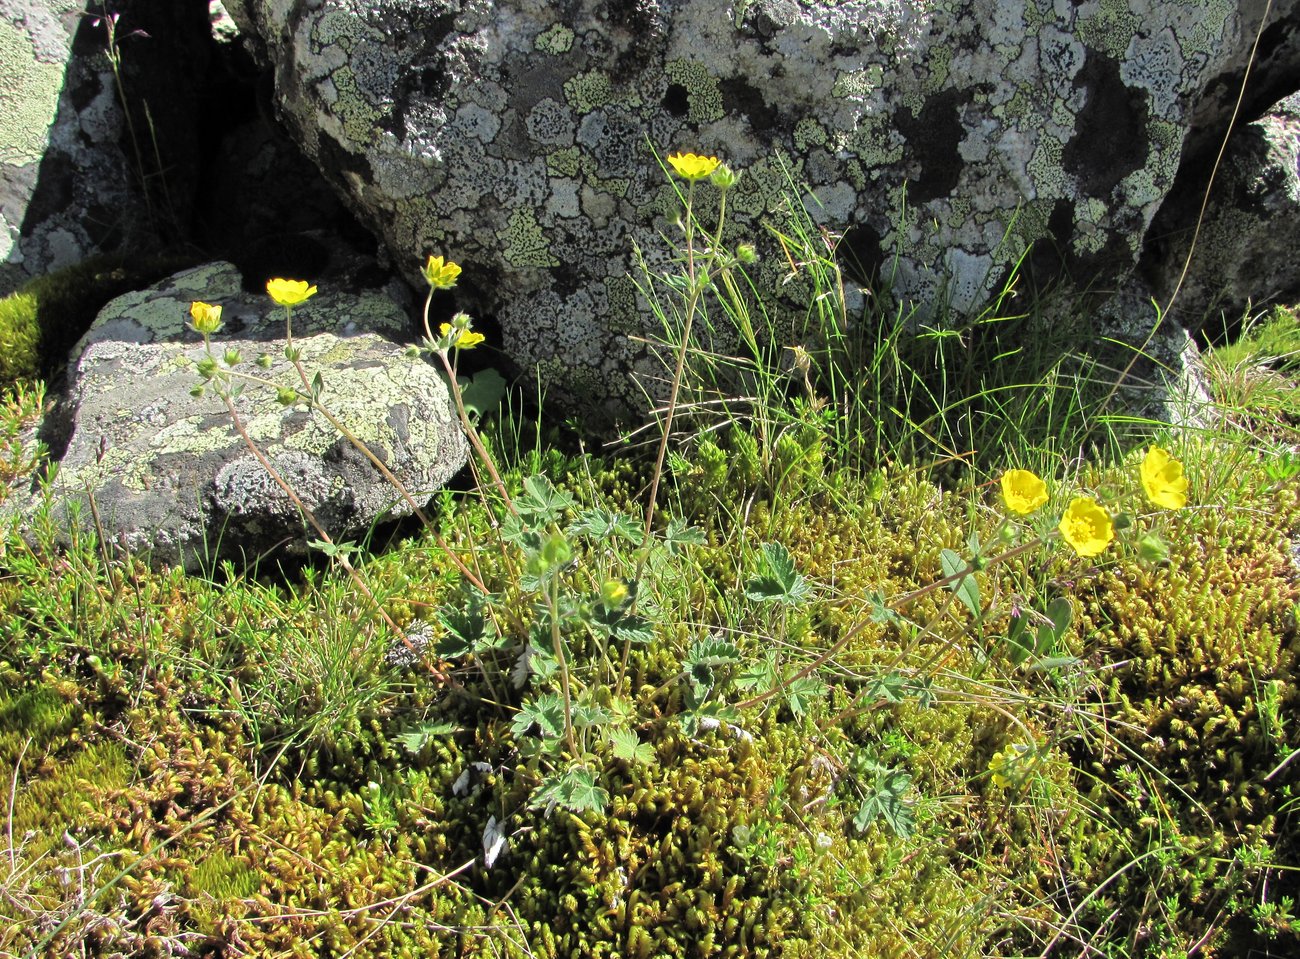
(777, 581)
(881, 614)
(617, 625)
(966, 588)
(680, 534)
(574, 789)
(801, 694)
(629, 748)
(468, 630)
(708, 715)
(415, 738)
(494, 841)
(759, 676)
(586, 715)
(889, 688)
(602, 524)
(886, 799)
(546, 712)
(713, 652)
(541, 504)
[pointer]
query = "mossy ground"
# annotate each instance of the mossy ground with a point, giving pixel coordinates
(204, 768)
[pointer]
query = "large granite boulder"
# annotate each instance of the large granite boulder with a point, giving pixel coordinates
(1248, 246)
(516, 136)
(93, 161)
(169, 474)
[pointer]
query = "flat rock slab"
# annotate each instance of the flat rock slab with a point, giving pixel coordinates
(171, 476)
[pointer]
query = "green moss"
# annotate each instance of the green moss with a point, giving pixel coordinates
(20, 334)
(40, 322)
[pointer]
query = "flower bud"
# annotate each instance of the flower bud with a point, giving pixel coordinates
(724, 178)
(613, 594)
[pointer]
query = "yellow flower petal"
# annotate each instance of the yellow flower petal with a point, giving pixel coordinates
(289, 292)
(441, 274)
(1163, 479)
(206, 317)
(1087, 527)
(689, 166)
(460, 338)
(1023, 491)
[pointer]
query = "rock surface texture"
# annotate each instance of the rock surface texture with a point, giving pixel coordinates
(1248, 248)
(515, 136)
(78, 174)
(172, 478)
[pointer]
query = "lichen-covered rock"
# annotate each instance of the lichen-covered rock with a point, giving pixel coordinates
(516, 136)
(1249, 242)
(78, 176)
(170, 475)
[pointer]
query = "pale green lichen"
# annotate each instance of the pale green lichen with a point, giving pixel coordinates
(858, 84)
(360, 119)
(1089, 236)
(764, 184)
(620, 293)
(1111, 29)
(524, 243)
(336, 28)
(563, 162)
(808, 132)
(29, 90)
(1206, 28)
(703, 93)
(557, 40)
(614, 186)
(940, 64)
(1044, 167)
(875, 145)
(588, 91)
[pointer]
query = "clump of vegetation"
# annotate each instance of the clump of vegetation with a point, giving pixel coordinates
(41, 322)
(805, 678)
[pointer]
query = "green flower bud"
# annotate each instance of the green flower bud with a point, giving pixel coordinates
(1152, 549)
(724, 178)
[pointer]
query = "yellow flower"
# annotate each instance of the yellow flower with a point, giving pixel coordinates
(1022, 491)
(206, 317)
(461, 339)
(1163, 479)
(1003, 765)
(692, 167)
(289, 292)
(1087, 527)
(441, 274)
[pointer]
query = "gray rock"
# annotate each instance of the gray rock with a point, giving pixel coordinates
(78, 176)
(1249, 244)
(515, 135)
(169, 474)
